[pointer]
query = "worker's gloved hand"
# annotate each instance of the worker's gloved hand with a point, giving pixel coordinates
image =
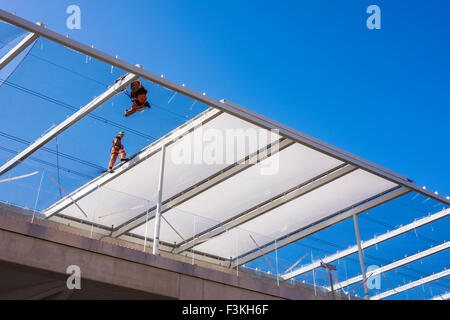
(126, 113)
(147, 104)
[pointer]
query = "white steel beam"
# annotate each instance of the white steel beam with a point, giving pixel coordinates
(276, 202)
(444, 296)
(77, 116)
(323, 225)
(14, 52)
(395, 265)
(369, 243)
(225, 106)
(411, 285)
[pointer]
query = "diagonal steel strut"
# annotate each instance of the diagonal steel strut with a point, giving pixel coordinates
(77, 116)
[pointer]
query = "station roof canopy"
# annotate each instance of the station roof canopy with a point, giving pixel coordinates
(234, 182)
(230, 187)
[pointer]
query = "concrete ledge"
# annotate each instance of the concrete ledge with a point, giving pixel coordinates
(42, 246)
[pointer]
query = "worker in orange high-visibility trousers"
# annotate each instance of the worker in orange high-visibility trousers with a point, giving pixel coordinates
(139, 98)
(117, 149)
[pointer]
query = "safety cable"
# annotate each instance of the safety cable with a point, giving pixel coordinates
(63, 155)
(57, 165)
(7, 43)
(389, 284)
(17, 66)
(73, 108)
(94, 80)
(418, 293)
(393, 227)
(49, 164)
(362, 282)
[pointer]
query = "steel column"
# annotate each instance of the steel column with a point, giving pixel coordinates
(361, 259)
(158, 204)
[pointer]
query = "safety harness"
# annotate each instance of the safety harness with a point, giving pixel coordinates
(136, 92)
(117, 144)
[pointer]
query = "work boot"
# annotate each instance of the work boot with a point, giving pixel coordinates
(125, 160)
(110, 170)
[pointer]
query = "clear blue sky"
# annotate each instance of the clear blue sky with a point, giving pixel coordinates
(313, 65)
(383, 94)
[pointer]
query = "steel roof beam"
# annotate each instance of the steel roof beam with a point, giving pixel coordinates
(411, 285)
(369, 243)
(394, 265)
(444, 296)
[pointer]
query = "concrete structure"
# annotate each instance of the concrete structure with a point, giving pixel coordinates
(34, 258)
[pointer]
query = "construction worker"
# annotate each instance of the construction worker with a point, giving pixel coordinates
(139, 98)
(117, 149)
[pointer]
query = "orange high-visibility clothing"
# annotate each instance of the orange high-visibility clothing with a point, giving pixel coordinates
(139, 96)
(138, 104)
(116, 149)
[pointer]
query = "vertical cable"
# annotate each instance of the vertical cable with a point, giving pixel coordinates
(57, 165)
(37, 196)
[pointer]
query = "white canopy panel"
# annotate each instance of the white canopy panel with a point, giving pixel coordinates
(297, 164)
(138, 185)
(208, 147)
(294, 215)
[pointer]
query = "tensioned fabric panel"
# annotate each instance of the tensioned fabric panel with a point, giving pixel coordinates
(296, 214)
(141, 181)
(290, 168)
(119, 195)
(179, 175)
